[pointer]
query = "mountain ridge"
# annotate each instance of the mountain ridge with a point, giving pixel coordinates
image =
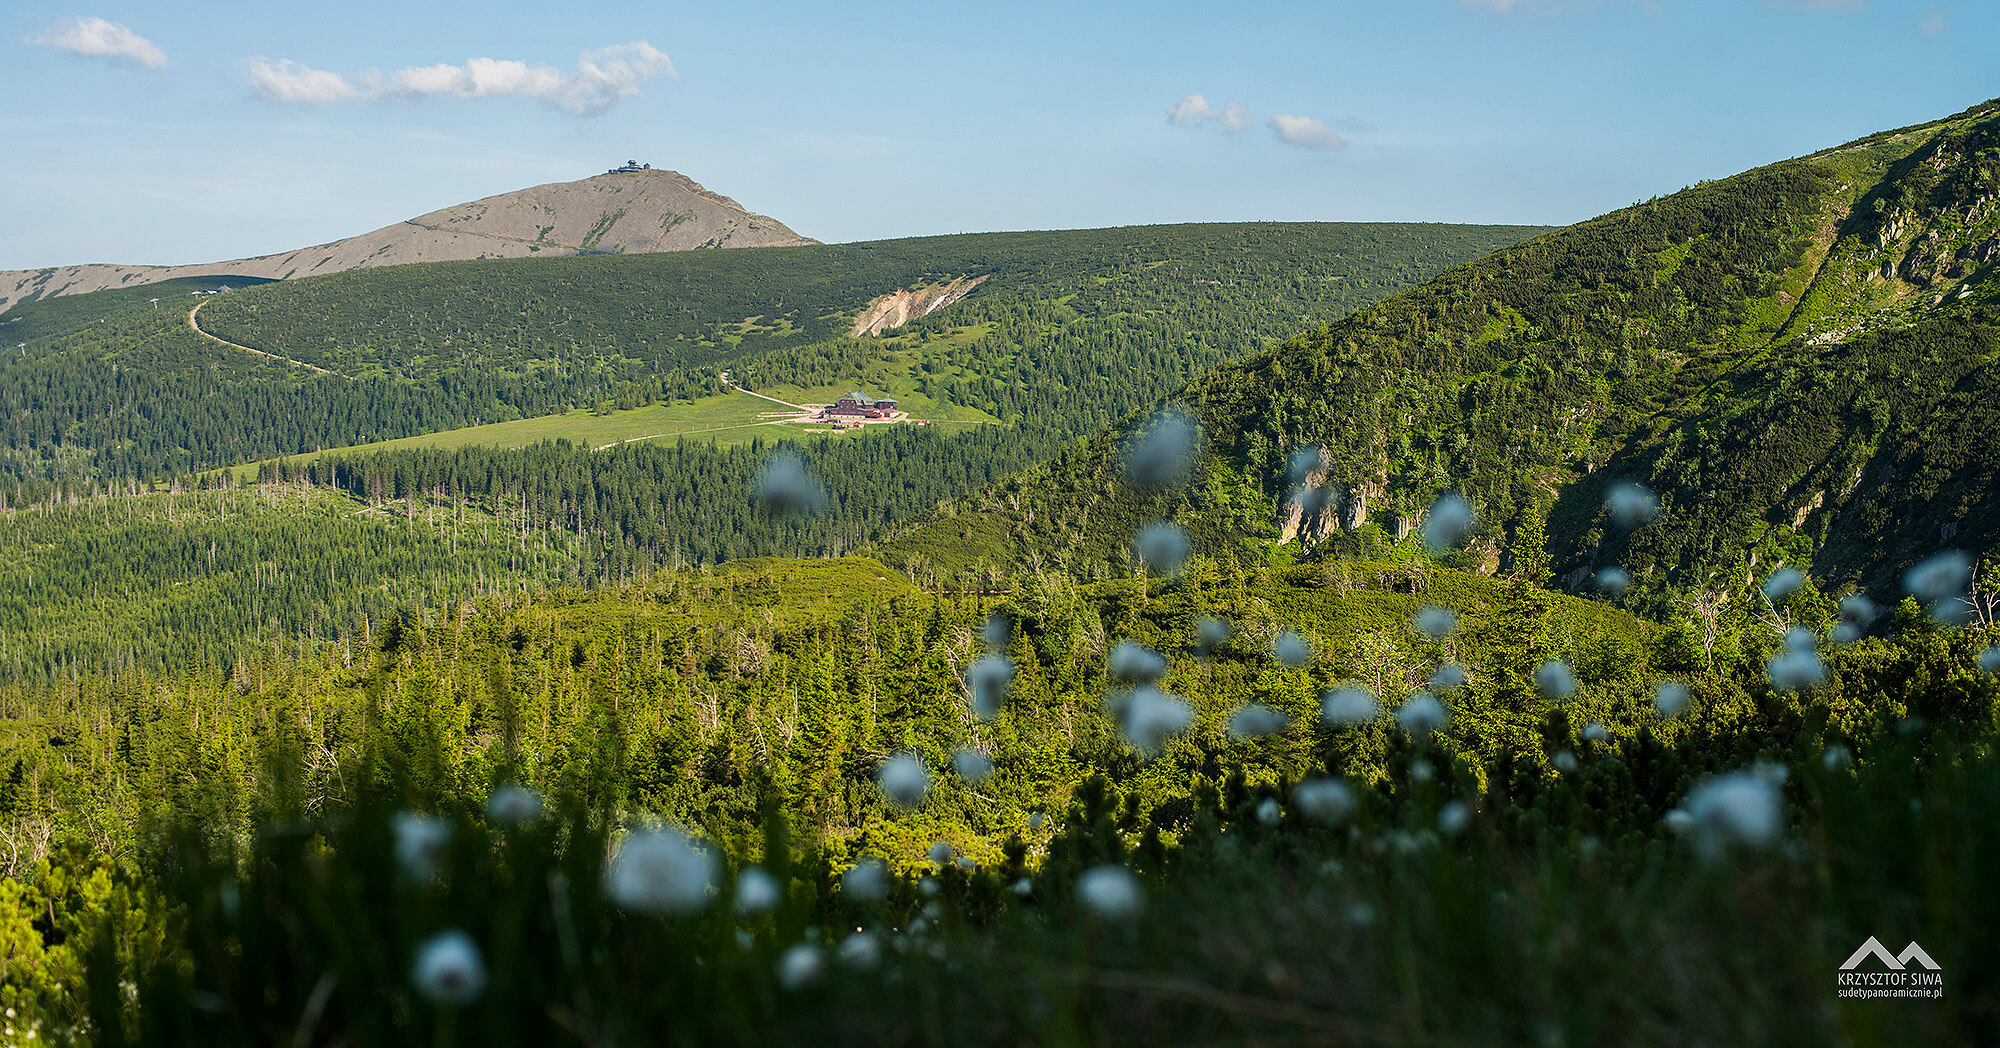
(618, 212)
(1798, 358)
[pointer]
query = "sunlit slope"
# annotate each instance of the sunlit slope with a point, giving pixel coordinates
(1798, 359)
(1072, 328)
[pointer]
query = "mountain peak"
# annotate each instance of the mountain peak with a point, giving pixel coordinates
(626, 210)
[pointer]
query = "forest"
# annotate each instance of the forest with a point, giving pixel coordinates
(103, 393)
(1472, 790)
(1595, 643)
(1733, 347)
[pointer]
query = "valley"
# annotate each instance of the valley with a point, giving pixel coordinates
(1275, 632)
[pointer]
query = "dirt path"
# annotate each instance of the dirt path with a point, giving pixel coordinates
(724, 375)
(196, 328)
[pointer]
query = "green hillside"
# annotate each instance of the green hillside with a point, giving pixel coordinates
(1798, 360)
(1090, 322)
(453, 742)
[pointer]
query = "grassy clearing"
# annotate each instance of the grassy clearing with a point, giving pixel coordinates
(727, 419)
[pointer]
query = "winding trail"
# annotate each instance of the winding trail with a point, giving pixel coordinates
(724, 376)
(196, 328)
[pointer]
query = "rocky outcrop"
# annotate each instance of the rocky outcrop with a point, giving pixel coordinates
(899, 307)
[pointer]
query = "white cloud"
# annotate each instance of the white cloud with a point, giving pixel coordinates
(94, 37)
(1305, 132)
(1190, 112)
(294, 83)
(602, 79)
(1194, 111)
(1933, 22)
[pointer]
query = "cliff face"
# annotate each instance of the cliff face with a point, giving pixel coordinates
(899, 307)
(618, 212)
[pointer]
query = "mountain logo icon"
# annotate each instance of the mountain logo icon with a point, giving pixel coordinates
(1896, 963)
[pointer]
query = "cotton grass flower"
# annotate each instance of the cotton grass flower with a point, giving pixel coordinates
(1421, 714)
(1555, 680)
(972, 765)
(1737, 808)
(513, 805)
(1152, 716)
(1163, 455)
(1111, 893)
(660, 871)
(1292, 649)
(1448, 523)
(866, 881)
(1671, 698)
(1989, 660)
(1782, 583)
(1857, 613)
(1304, 462)
(1614, 581)
(988, 679)
(800, 966)
(785, 486)
(1256, 719)
(1795, 669)
(420, 843)
(861, 951)
(1940, 577)
(1448, 677)
(996, 633)
(1316, 499)
(1565, 762)
(1269, 812)
(940, 853)
(1596, 733)
(1135, 663)
(1454, 817)
(1162, 546)
(1631, 505)
(904, 780)
(1210, 634)
(1323, 800)
(1435, 622)
(448, 969)
(1344, 706)
(757, 892)
(1836, 758)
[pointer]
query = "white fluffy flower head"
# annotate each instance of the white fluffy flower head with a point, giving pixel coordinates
(1112, 893)
(1422, 714)
(514, 805)
(1738, 808)
(1555, 680)
(1340, 707)
(660, 871)
(1255, 719)
(448, 969)
(904, 779)
(757, 892)
(1324, 800)
(421, 841)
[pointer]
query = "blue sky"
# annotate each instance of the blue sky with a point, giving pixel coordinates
(174, 133)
